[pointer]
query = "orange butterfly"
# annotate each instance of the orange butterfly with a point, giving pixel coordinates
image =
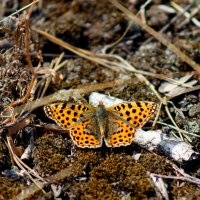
(89, 125)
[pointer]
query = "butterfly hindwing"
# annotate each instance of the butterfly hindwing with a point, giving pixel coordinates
(120, 135)
(83, 136)
(74, 118)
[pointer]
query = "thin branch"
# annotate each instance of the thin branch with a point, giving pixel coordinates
(182, 178)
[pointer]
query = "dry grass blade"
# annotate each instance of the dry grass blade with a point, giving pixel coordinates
(28, 57)
(113, 62)
(170, 89)
(30, 191)
(22, 165)
(182, 178)
(181, 133)
(110, 61)
(64, 95)
(15, 152)
(172, 21)
(24, 8)
(178, 130)
(49, 73)
(187, 15)
(81, 52)
(158, 36)
(59, 176)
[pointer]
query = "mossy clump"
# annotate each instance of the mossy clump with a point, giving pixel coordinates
(90, 156)
(113, 166)
(136, 182)
(50, 154)
(133, 92)
(156, 164)
(126, 174)
(9, 188)
(94, 189)
(184, 190)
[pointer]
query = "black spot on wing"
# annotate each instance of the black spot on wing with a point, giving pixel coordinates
(74, 119)
(129, 105)
(123, 106)
(138, 104)
(128, 119)
(72, 107)
(118, 108)
(63, 106)
(134, 110)
(85, 108)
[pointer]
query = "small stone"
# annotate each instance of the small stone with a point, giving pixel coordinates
(194, 110)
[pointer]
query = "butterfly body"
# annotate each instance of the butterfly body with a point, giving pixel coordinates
(89, 126)
(101, 116)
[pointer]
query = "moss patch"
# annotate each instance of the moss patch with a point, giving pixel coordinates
(94, 189)
(9, 188)
(50, 154)
(156, 164)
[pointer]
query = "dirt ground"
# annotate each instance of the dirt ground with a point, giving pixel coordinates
(29, 71)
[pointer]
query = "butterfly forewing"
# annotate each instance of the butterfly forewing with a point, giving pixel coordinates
(65, 115)
(135, 113)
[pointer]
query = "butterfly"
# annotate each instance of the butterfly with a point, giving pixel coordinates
(89, 126)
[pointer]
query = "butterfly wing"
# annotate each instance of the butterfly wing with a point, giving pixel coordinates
(119, 133)
(86, 134)
(130, 116)
(76, 118)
